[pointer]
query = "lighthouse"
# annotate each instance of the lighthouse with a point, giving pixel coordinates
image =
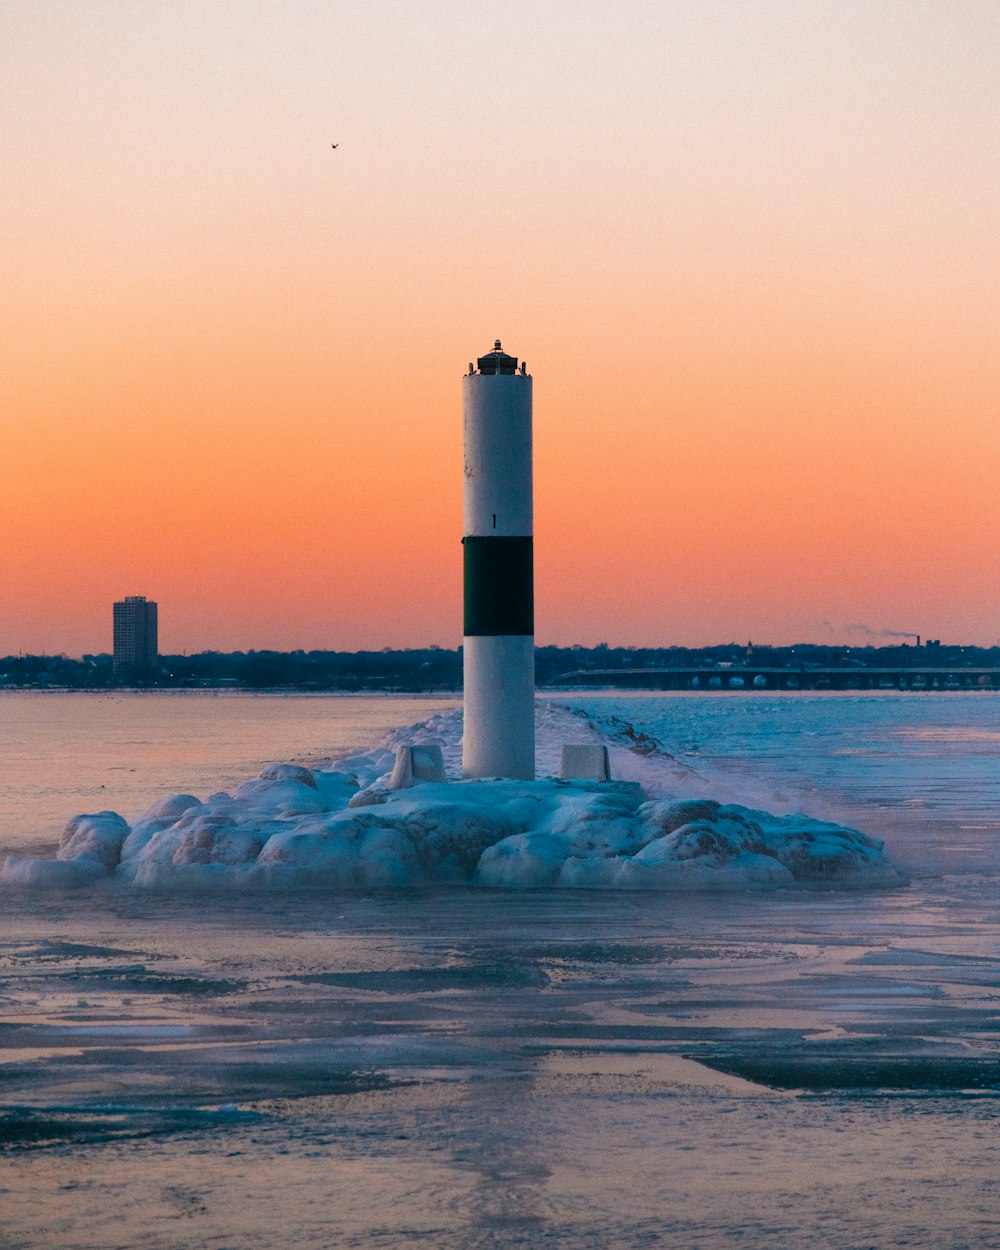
(499, 631)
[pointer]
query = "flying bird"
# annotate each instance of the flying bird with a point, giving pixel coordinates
(334, 145)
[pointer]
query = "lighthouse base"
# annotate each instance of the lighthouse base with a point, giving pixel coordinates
(499, 734)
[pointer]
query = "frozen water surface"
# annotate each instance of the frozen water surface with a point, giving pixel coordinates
(470, 1068)
(460, 1066)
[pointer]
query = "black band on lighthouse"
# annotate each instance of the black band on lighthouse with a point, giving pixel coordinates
(499, 586)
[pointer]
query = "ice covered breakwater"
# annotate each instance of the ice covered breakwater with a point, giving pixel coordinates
(339, 827)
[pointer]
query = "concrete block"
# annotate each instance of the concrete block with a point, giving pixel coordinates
(422, 762)
(584, 762)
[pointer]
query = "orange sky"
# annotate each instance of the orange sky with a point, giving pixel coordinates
(748, 250)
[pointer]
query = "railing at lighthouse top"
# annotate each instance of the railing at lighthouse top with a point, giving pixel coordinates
(498, 361)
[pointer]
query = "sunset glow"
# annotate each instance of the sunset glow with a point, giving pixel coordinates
(748, 251)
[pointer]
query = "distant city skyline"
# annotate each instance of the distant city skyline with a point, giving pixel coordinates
(748, 251)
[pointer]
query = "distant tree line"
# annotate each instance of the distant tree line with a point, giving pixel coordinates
(431, 669)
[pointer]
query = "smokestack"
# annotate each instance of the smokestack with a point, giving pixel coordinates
(499, 632)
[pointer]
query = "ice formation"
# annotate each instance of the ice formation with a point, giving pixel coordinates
(341, 827)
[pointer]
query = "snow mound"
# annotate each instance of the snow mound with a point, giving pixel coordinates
(340, 827)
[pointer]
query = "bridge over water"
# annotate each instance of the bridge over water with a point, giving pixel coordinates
(756, 677)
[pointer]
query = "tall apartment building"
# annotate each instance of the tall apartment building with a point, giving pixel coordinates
(135, 637)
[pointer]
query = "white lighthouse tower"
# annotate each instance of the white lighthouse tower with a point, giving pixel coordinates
(499, 633)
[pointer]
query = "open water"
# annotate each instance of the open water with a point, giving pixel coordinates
(471, 1068)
